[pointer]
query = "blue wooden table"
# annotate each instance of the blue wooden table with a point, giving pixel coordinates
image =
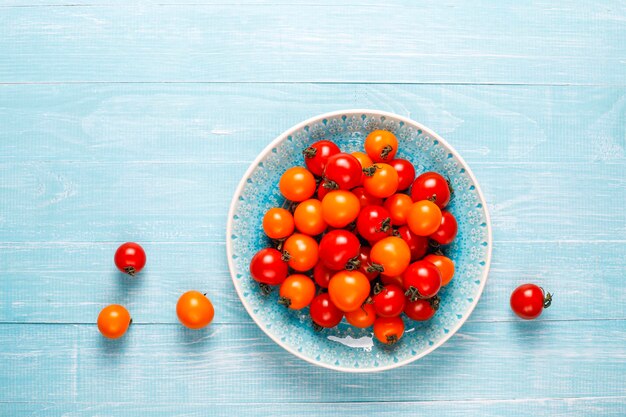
(134, 121)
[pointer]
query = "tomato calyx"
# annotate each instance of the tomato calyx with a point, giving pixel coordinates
(309, 152)
(449, 187)
(547, 298)
(285, 257)
(413, 294)
(353, 263)
(434, 302)
(385, 225)
(384, 153)
(378, 288)
(278, 244)
(284, 301)
(371, 170)
(392, 339)
(330, 185)
(265, 289)
(375, 268)
(130, 270)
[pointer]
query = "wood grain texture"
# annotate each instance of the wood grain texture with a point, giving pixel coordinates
(239, 364)
(135, 120)
(457, 42)
(228, 123)
(555, 407)
(70, 282)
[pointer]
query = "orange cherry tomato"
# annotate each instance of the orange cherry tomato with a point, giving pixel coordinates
(388, 330)
(362, 317)
(296, 292)
(300, 251)
(363, 159)
(381, 145)
(278, 223)
(297, 184)
(348, 290)
(381, 180)
(424, 218)
(308, 217)
(113, 321)
(398, 206)
(390, 256)
(389, 280)
(445, 266)
(340, 208)
(194, 310)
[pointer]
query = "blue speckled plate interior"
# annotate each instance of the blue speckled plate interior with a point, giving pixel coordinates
(347, 348)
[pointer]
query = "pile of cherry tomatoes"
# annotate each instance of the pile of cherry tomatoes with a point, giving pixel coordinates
(359, 237)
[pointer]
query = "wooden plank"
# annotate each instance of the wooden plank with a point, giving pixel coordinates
(73, 202)
(70, 283)
(239, 364)
(481, 42)
(196, 123)
(561, 407)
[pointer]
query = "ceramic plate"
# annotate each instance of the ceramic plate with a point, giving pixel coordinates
(346, 348)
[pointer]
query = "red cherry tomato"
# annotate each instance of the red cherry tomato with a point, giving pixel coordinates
(323, 189)
(388, 300)
(388, 330)
(424, 218)
(381, 145)
(390, 256)
(322, 275)
(398, 206)
(422, 309)
(381, 180)
(316, 155)
(267, 267)
(323, 312)
(447, 230)
(300, 252)
(406, 173)
(421, 279)
(373, 223)
(431, 186)
(344, 170)
(365, 198)
(365, 262)
(445, 266)
(339, 249)
(130, 258)
(529, 300)
(362, 317)
(418, 245)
